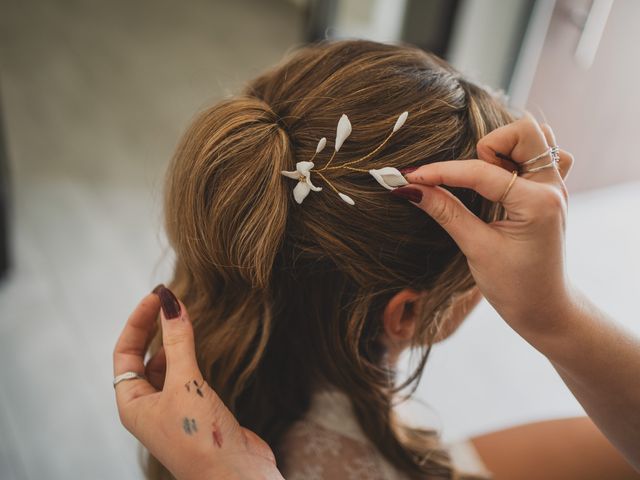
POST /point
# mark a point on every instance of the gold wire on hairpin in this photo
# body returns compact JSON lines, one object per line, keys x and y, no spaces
{"x":388,"y":177}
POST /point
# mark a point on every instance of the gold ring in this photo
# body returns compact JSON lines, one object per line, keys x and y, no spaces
{"x":506,"y":192}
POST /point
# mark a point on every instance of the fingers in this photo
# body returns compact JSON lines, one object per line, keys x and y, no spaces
{"x":128,"y":355}
{"x":521,"y":141}
{"x":548,"y":134}
{"x":566,"y":159}
{"x":465,"y":228}
{"x":156,"y":369}
{"x":488,"y":180}
{"x":177,"y":339}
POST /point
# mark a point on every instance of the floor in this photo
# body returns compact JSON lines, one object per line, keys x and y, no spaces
{"x":95,"y":96}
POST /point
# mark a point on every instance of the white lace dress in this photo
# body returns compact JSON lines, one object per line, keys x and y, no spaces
{"x":328,"y":444}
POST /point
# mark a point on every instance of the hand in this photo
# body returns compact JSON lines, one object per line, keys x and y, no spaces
{"x":178,"y":417}
{"x":518,"y":263}
{"x":519,"y":266}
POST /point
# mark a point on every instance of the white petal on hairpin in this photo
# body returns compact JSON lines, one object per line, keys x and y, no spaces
{"x":401,"y":119}
{"x":302,"y":173}
{"x":294,"y":174}
{"x":321,"y":144}
{"x":343,"y":131}
{"x":301,"y":191}
{"x":311,"y":185}
{"x":304,"y":167}
{"x":389,"y":177}
{"x":347,"y":198}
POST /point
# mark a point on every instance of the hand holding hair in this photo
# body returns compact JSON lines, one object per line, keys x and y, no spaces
{"x":519,"y":265}
{"x":517,"y":262}
{"x":176,"y":415}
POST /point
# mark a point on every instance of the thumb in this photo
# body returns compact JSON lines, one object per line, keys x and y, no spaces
{"x":467,"y":230}
{"x":177,"y":338}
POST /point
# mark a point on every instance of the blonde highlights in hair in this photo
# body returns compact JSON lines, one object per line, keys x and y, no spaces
{"x":287,"y":297}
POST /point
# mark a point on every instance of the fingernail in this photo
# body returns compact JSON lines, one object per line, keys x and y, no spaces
{"x":405,"y":171}
{"x":168,"y":302}
{"x":408,"y":193}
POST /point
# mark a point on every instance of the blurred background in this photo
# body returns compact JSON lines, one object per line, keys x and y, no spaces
{"x":93,"y":98}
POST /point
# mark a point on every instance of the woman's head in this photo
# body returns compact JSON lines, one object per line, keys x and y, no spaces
{"x":287,"y":297}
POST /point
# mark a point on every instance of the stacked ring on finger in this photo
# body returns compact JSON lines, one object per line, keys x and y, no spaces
{"x":509,"y":186}
{"x":127,"y":376}
{"x":552,"y":152}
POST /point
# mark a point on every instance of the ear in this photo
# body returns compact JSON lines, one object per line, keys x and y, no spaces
{"x":399,"y":317}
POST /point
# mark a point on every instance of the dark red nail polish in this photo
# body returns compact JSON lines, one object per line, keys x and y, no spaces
{"x":168,"y":302}
{"x":407,"y":170}
{"x":408,"y":193}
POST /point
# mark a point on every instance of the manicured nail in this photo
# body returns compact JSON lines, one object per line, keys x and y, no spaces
{"x":408,"y":193}
{"x":405,"y":171}
{"x":168,"y":302}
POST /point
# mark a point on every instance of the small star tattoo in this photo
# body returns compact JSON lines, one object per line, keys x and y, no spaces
{"x":198,"y":388}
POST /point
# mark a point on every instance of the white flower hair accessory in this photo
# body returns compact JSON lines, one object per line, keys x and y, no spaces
{"x":388,"y":177}
{"x":303,"y":175}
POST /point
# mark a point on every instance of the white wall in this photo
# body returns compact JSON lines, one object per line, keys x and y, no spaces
{"x":483,"y":39}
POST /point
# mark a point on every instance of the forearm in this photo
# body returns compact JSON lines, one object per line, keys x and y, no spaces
{"x":600,"y":363}
{"x":566,"y":449}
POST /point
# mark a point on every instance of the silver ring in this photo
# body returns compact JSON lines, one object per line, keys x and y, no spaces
{"x":542,"y":167}
{"x":127,"y":376}
{"x":553,"y":152}
{"x":537,"y":157}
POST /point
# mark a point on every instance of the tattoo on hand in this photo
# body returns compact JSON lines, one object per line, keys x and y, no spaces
{"x":189,"y":425}
{"x":217,"y":435}
{"x":198,"y":387}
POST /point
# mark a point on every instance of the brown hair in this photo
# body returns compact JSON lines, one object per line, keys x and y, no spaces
{"x":285,"y":297}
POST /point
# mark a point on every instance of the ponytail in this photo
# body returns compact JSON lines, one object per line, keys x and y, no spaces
{"x":226,"y":204}
{"x":226,"y":210}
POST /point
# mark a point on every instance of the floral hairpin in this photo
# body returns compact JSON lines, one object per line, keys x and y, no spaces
{"x":388,"y":177}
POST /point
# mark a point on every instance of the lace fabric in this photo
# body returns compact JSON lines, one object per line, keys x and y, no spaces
{"x":328,"y":444}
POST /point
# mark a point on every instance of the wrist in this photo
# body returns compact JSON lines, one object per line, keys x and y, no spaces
{"x":555,"y":330}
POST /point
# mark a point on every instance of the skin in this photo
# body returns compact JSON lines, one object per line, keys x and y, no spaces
{"x":193,"y":434}
{"x":518,"y":265}
{"x":564,"y":449}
